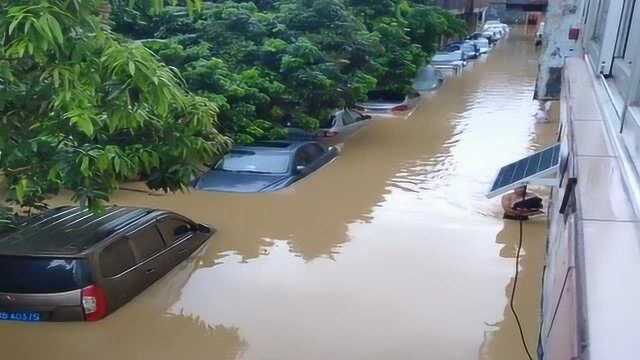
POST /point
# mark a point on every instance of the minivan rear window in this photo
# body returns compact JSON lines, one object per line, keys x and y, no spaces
{"x":31,"y":275}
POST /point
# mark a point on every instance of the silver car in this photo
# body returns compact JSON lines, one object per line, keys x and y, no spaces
{"x":428,"y":78}
{"x":483,"y":45}
{"x":342,"y":124}
{"x":384,"y":102}
{"x":448,"y":61}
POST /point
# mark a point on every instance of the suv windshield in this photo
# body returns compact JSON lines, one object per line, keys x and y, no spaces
{"x":26,"y":275}
{"x":268,"y":162}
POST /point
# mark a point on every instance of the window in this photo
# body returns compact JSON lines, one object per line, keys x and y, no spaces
{"x":146,"y":242}
{"x":348,"y":118}
{"x":45,"y":275}
{"x":585,"y":12}
{"x":601,"y":20}
{"x":625,"y":28}
{"x":302,"y":158}
{"x":173,"y":229}
{"x":270,"y":162}
{"x":359,"y":117}
{"x":315,"y":151}
{"x":117,"y":258}
{"x":309,"y":154}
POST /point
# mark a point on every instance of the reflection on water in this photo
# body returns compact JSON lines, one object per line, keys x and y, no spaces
{"x":389,"y":252}
{"x":504,"y":334}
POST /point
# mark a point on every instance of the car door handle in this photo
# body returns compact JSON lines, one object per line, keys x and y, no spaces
{"x":150,"y":271}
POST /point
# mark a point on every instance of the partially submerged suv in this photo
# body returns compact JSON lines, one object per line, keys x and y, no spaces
{"x":69,"y":264}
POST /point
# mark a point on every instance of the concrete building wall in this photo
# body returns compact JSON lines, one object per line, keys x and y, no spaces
{"x":590,"y":292}
{"x":515,"y":11}
{"x":561,"y":17}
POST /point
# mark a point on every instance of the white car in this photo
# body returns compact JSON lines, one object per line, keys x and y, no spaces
{"x":334,"y":129}
{"x":539,"y":34}
{"x":495,"y":23}
{"x":448,"y":61}
{"x":483,"y":45}
{"x":340,"y":125}
{"x":494,"y":34}
{"x":428,"y":78}
{"x":384,"y":102}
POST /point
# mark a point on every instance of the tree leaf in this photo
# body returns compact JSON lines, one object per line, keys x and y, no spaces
{"x":21,"y":189}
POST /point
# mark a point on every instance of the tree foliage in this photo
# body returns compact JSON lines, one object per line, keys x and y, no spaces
{"x":82,"y":108}
{"x":96,"y":92}
{"x":268,"y":63}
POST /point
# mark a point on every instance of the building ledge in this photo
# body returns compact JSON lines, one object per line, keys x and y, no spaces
{"x":607,"y":251}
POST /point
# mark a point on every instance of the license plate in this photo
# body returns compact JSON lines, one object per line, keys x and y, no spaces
{"x":27,"y":316}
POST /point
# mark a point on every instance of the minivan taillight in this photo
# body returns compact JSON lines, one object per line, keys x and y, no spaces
{"x":94,"y":303}
{"x":400,"y":108}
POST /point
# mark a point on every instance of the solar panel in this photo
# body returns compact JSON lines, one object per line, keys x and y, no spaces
{"x":525,"y":170}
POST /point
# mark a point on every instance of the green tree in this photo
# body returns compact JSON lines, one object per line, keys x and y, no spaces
{"x":82,"y":108}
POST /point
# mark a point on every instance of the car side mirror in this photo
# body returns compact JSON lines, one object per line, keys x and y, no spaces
{"x":366,"y":117}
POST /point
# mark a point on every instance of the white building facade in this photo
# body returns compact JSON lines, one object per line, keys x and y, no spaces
{"x":591,"y":292}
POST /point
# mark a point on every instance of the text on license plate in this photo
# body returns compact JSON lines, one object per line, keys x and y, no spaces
{"x":20,"y":316}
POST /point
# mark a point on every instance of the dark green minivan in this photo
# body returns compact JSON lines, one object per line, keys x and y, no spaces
{"x":70,"y":264}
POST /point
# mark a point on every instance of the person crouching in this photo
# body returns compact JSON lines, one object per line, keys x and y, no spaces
{"x":521,"y":204}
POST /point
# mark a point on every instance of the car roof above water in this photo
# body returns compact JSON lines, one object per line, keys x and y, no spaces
{"x":68,"y":231}
{"x":271,"y":146}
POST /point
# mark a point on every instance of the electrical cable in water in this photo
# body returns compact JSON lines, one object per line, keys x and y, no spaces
{"x":513,"y":294}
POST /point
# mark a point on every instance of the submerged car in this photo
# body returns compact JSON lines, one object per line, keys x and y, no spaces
{"x":468,"y":48}
{"x":334,"y":129}
{"x":70,"y":264}
{"x":448,"y":61}
{"x":491,"y":24}
{"x":488,"y":35}
{"x":498,"y":31}
{"x":342,"y":124}
{"x":539,"y":34}
{"x":388,"y":102}
{"x":483,"y":45}
{"x":265,"y":166}
{"x":428,"y":78}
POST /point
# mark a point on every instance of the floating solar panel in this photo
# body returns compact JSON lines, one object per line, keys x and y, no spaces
{"x":540,"y":165}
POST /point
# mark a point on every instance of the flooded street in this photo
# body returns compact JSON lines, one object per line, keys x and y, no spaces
{"x":390,"y":252}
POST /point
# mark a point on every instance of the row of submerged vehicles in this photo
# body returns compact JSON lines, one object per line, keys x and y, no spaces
{"x":71,"y":264}
{"x":274,"y":165}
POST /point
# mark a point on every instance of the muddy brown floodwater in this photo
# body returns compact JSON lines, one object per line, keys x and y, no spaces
{"x":390,"y":252}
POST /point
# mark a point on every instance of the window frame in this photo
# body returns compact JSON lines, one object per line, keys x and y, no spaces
{"x":321,"y":152}
{"x":176,"y":240}
{"x":346,"y":114}
{"x":127,"y":268}
{"x":625,"y":72}
{"x":130,"y":236}
{"x":601,"y":50}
